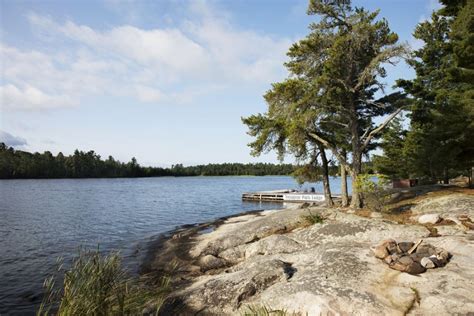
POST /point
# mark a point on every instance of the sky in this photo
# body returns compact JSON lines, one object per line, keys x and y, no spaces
{"x":164,"y":81}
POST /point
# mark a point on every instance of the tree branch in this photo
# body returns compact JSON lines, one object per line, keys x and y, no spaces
{"x":377,"y":130}
{"x":332,"y":148}
{"x":334,"y":122}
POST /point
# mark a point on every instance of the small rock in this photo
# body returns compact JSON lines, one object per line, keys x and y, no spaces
{"x":380,"y":251}
{"x":426,"y":250}
{"x":390,"y":245}
{"x":436,"y":261}
{"x":429,"y":219}
{"x":392,"y":258}
{"x":427,"y":263}
{"x":415,"y":268}
{"x":392,"y":248}
{"x":406,"y":260}
{"x":443,"y":257}
{"x":417,"y":257}
{"x":395,"y":256}
{"x":405,"y":246}
{"x":396,"y":265}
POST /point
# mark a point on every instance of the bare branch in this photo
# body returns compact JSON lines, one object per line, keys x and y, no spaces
{"x":377,"y":130}
{"x":367,"y":130}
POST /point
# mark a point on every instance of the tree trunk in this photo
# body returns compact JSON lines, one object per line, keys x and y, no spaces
{"x":356,"y":201}
{"x":344,"y":192}
{"x":446,"y":177}
{"x":327,"y":187}
{"x":470,"y":176}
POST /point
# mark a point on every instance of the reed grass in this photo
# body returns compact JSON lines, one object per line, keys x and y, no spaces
{"x":97,"y":284}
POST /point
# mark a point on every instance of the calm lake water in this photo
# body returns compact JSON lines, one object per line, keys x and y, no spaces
{"x":41,"y":220}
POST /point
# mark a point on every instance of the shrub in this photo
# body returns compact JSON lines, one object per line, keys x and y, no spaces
{"x":98,"y":285}
{"x":313,"y":218}
{"x":375,"y":194}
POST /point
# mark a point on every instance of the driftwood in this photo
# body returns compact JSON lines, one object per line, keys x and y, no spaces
{"x":415,"y":246}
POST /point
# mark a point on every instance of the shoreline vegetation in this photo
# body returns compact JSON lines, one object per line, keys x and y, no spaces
{"x":18,"y":164}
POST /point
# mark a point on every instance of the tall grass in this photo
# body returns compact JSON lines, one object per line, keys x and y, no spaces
{"x":262,"y":310}
{"x":98,"y":285}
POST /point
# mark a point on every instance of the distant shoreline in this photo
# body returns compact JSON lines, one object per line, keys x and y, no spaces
{"x":145,"y":177}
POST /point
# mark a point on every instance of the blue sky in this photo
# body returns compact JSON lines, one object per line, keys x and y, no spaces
{"x":164,"y":81}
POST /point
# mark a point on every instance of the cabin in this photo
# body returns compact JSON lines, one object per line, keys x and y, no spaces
{"x":404,"y":183}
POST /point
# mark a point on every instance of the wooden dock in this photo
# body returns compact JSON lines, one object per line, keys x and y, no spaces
{"x":283,"y":196}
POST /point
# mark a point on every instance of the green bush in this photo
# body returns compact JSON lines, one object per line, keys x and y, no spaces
{"x":375,"y":195}
{"x":98,"y":285}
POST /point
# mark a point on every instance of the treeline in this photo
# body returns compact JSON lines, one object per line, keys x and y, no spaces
{"x":234,"y":169}
{"x":17,"y":164}
{"x":438,"y":143}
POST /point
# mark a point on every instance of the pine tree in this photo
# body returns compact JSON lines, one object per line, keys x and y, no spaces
{"x":329,"y":98}
{"x":442,"y":118}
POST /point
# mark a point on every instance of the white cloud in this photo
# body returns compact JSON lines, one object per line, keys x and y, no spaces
{"x":152,"y":65}
{"x":31,"y":98}
{"x":11,"y":140}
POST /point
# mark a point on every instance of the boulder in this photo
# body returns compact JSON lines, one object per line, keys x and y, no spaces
{"x":429,"y":219}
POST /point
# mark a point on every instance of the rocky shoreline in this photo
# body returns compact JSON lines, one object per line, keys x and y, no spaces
{"x":286,"y":260}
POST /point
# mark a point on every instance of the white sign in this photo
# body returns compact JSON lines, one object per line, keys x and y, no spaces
{"x":303,"y":197}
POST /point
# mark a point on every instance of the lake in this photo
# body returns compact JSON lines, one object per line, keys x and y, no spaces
{"x":41,"y":220}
